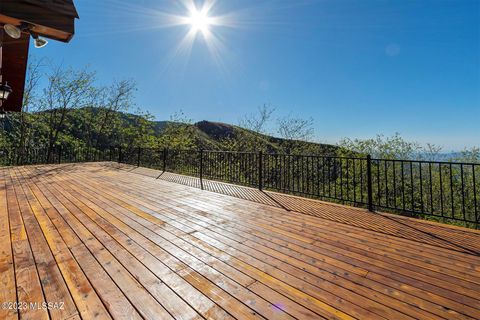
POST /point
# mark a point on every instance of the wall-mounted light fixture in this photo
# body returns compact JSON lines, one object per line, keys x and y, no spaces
{"x":13,"y":31}
{"x":38,"y":41}
{"x":16,"y":32}
{"x":5,"y":91}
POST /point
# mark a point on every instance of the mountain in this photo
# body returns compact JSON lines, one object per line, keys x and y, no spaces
{"x":214,"y":135}
{"x":203,"y":134}
{"x":218,"y":132}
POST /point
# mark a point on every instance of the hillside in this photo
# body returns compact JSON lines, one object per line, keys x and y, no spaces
{"x":217,"y":132}
{"x":217,"y":135}
{"x":81,"y":125}
{"x":214,"y":135}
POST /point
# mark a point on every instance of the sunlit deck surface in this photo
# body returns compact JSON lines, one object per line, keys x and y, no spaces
{"x":111,"y":241}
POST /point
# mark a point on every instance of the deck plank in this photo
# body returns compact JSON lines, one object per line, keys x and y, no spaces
{"x":113,"y":241}
{"x":7,"y":271}
{"x":112,"y":297}
{"x":86,"y":299}
{"x":53,"y":283}
{"x":28,"y":287}
{"x":137,"y":294}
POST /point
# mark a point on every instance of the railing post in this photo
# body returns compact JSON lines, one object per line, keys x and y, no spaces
{"x":110,"y":154}
{"x":119,"y":154}
{"x":369,"y":183}
{"x":138,"y":156}
{"x":164,"y":159}
{"x":201,"y":169}
{"x":260,"y":170}
{"x":59,"y":154}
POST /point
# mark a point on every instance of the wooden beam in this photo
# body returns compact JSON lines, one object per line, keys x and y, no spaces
{"x":52,"y":19}
{"x":39,"y":29}
{"x":13,"y":64}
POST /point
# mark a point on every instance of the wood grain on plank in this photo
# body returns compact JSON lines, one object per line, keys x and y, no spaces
{"x":7,"y":273}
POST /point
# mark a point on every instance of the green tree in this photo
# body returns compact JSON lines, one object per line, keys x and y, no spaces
{"x":297,"y":132}
{"x":179,"y":133}
{"x":67,"y":89}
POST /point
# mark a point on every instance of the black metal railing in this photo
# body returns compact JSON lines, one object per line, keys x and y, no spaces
{"x":445,"y":189}
{"x":448,"y":190}
{"x":55,"y":155}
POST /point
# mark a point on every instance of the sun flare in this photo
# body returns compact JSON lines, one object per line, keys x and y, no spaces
{"x":204,"y":25}
{"x":199,"y":20}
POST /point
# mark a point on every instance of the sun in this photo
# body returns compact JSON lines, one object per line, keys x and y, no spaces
{"x":199,"y":20}
{"x":203,"y":22}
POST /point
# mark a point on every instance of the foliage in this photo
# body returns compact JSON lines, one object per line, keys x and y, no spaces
{"x":470,"y":155}
{"x":71,"y":110}
{"x":258,"y":122}
{"x":178,"y":133}
{"x":394,"y":147}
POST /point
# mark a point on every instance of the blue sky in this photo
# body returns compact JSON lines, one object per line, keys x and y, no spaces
{"x":357,"y":67}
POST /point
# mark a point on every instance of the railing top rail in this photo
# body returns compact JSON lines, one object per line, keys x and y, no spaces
{"x":332,"y":157}
{"x":429,"y":161}
{"x":229,"y":151}
{"x":287,"y":154}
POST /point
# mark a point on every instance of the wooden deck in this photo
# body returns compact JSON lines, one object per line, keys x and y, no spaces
{"x":97,"y":241}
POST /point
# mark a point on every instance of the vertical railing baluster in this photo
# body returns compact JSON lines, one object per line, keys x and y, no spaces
{"x":422,"y":208}
{"x":318,"y":176}
{"x":432,"y":209}
{"x":475,"y":195}
{"x":442,"y":210}
{"x":369,"y":183}
{"x":335,"y":161}
{"x":139,"y":154}
{"x":463,"y":191}
{"x":387,"y":196}
{"x":403,"y":184}
{"x":346,"y":179}
{"x":394,"y":163}
{"x":362,"y":189}
{"x":329,"y":176}
{"x":201,"y":169}
{"x":340,"y":178}
{"x":164,"y":159}
{"x":412,"y":183}
{"x":451,"y":191}
{"x":260,"y":170}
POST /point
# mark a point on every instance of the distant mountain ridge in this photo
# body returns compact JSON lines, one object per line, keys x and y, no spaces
{"x":205,"y":134}
{"x":213,"y":135}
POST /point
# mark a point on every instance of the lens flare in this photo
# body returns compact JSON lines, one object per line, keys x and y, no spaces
{"x":199,"y":20}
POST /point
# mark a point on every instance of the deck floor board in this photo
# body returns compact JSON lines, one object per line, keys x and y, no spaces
{"x":110,"y":241}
